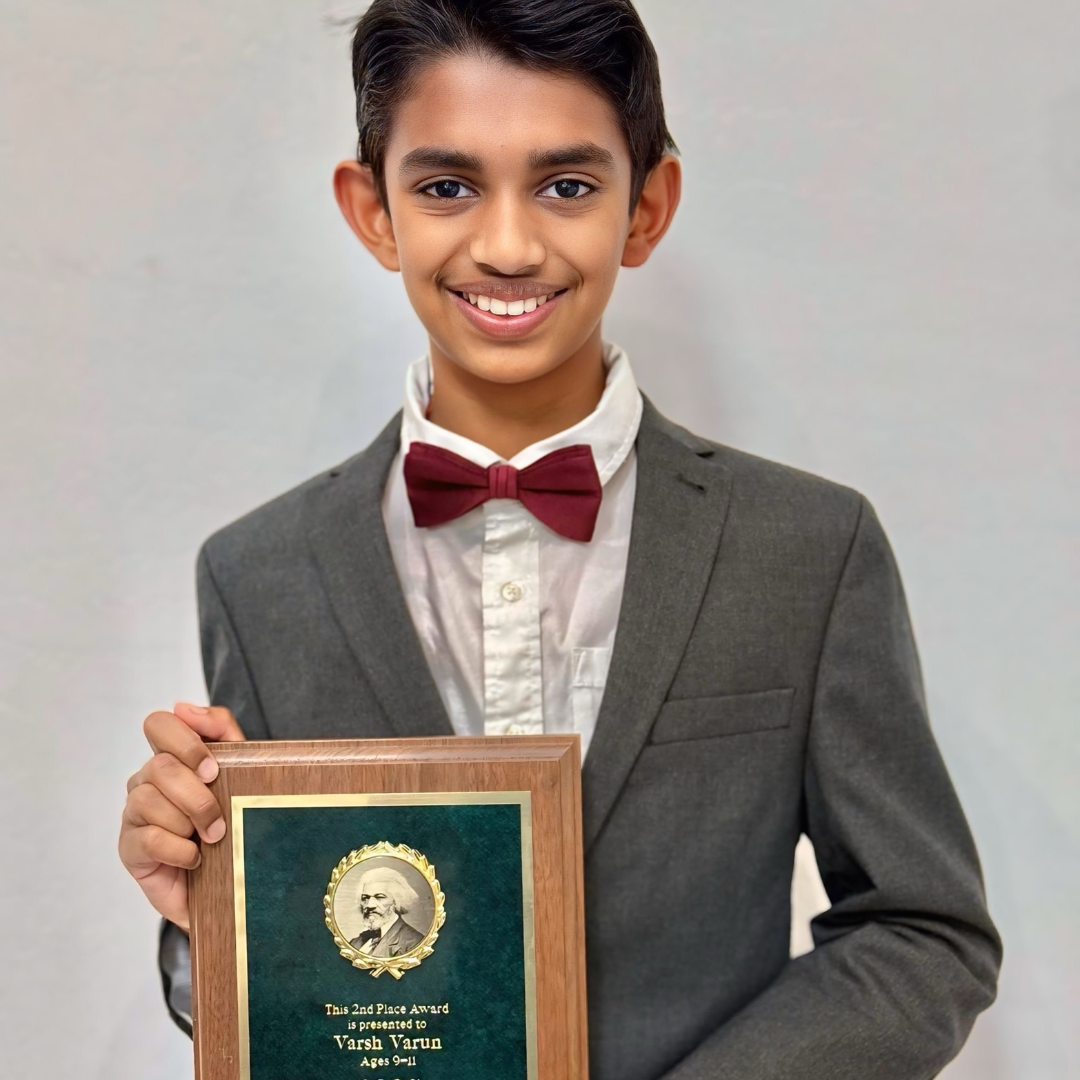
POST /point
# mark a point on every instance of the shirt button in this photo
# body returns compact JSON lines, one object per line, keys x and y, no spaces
{"x":512,"y":592}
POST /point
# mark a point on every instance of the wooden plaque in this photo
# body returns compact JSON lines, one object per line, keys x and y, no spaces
{"x":392,"y":909}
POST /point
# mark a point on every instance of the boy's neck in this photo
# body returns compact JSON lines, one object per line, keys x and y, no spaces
{"x":507,"y":417}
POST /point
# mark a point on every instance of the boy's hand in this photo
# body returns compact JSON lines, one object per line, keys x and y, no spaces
{"x":168,"y":802}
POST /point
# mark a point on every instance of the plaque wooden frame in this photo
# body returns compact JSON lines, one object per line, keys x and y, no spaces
{"x":546,"y":766}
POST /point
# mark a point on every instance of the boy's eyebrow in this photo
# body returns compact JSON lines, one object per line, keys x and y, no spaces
{"x":438,"y":157}
{"x":557,"y":157}
{"x":560,"y":157}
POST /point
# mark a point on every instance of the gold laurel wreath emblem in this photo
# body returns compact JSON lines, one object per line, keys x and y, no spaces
{"x":395,"y":965}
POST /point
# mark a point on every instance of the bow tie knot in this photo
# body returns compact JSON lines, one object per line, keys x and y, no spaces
{"x":562,"y":489}
{"x":502,"y":482}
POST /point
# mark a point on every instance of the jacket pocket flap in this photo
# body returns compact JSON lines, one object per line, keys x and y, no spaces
{"x":726,"y":714}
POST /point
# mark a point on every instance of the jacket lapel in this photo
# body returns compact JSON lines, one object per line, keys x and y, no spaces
{"x":348,"y":540}
{"x":679,"y":510}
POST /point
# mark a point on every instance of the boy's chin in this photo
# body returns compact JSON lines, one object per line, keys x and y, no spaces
{"x":505,"y":366}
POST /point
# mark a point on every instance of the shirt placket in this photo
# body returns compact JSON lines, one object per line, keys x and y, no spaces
{"x":510,"y":572}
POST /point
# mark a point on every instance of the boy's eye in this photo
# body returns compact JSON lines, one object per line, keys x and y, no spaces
{"x":567,"y":189}
{"x":447,"y":189}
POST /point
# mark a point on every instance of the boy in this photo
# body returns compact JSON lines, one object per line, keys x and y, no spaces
{"x":529,"y":546}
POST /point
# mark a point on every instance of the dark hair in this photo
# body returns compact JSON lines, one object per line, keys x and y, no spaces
{"x":600,"y":41}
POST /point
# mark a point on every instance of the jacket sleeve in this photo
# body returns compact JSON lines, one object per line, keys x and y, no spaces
{"x":907,"y":955}
{"x":174,"y":967}
{"x":228,"y":677}
{"x":229,"y":683}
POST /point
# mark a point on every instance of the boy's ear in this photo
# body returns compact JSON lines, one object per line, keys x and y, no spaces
{"x":358,"y":197}
{"x":654,"y":211}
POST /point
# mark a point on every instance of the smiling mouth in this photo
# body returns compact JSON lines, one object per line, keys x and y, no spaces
{"x":508,"y":308}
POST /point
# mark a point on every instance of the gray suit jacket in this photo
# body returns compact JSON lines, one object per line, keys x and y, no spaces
{"x":764,"y":683}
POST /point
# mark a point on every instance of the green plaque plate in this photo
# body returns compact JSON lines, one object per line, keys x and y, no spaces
{"x":384,"y":937}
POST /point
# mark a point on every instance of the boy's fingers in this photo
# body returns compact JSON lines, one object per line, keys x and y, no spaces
{"x":143,"y":849}
{"x":147,"y":806}
{"x":213,"y":722}
{"x":168,"y":733}
{"x":186,"y":792}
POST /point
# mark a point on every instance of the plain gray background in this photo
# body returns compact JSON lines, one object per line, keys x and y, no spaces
{"x":875,"y":275}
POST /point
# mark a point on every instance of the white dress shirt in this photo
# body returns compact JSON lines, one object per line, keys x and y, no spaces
{"x":517,"y":622}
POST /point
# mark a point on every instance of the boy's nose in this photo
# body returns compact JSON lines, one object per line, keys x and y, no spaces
{"x":506,"y":241}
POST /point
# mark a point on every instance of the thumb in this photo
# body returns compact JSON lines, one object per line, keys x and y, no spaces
{"x":213,"y":723}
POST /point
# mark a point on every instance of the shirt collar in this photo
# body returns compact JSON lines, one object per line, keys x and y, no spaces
{"x":610,"y":429}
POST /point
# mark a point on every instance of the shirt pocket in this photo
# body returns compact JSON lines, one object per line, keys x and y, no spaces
{"x":587,"y":681}
{"x":723,"y":714}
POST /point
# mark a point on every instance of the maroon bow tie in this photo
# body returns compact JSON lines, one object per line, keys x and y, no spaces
{"x":562,"y":489}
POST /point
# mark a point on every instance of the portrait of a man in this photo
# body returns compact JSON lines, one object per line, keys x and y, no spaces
{"x":384,"y":898}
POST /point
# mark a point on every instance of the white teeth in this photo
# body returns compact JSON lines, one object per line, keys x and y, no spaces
{"x":507,"y":307}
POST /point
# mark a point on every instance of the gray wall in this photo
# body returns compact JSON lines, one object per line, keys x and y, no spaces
{"x":875,"y":275}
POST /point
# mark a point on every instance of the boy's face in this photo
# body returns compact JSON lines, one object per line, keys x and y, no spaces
{"x":509,"y":190}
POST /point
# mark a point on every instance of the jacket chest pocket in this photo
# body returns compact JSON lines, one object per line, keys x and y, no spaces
{"x":724,"y":714}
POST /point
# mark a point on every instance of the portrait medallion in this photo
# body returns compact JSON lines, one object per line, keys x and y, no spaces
{"x":384,"y":908}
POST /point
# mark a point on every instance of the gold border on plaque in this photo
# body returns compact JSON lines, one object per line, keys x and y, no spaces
{"x":395,"y":965}
{"x":523,"y":799}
